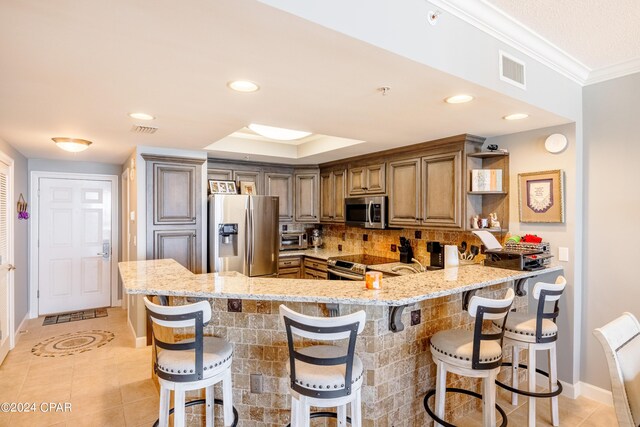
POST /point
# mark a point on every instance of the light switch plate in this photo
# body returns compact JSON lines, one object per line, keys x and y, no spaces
{"x":132,"y":215}
{"x":563,"y":254}
{"x":255,"y":384}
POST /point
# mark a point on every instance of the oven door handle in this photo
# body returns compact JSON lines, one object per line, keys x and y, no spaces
{"x":345,"y":275}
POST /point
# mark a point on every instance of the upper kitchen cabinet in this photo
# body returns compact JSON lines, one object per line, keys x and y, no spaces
{"x":174,"y":221}
{"x":307,"y":197}
{"x":281,"y":185}
{"x":404,"y":192}
{"x":442,"y":202}
{"x":254,"y":175}
{"x":333,"y":186}
{"x":369,"y":179}
{"x":220,"y":174}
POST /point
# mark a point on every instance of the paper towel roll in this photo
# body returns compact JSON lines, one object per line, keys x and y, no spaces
{"x":450,"y":256}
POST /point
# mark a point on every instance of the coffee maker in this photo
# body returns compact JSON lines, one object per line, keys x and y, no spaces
{"x":436,"y":252}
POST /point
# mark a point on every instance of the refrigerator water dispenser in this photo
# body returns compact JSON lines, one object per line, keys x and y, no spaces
{"x":228,"y":240}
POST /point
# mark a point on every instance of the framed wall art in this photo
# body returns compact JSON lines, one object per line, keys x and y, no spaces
{"x":541,"y":196}
{"x":248,"y":187}
{"x":222,"y":187}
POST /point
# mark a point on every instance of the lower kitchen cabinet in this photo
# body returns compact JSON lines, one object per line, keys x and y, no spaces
{"x":290,"y":267}
{"x":315,"y":268}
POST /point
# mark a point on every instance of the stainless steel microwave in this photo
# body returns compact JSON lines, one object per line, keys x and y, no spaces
{"x":366,"y":212}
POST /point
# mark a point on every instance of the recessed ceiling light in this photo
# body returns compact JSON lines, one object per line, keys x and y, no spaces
{"x":459,"y":99}
{"x":243,"y":86}
{"x":141,"y":116}
{"x":516,"y":116}
{"x":281,"y":134}
{"x":73,"y":145}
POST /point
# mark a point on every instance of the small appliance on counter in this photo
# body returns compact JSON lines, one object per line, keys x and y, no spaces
{"x":436,"y":253}
{"x":293,"y":240}
{"x":515,"y":255}
{"x":406,"y":251}
{"x":316,"y":238}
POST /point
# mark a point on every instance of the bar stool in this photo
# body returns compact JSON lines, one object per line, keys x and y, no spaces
{"x":324,"y":376}
{"x":472,"y":354}
{"x":190,"y":364}
{"x":535,"y":332}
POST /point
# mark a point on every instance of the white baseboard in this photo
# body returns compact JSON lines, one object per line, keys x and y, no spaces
{"x":595,"y":393}
{"x":140,"y":341}
{"x":568,"y":390}
{"x":22,"y":326}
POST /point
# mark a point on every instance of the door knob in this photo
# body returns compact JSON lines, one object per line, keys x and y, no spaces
{"x":103,"y":253}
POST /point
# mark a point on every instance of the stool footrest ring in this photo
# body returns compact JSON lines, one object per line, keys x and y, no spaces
{"x":323,"y":414}
{"x":203,"y":402}
{"x":462,"y":391}
{"x":540,"y":395}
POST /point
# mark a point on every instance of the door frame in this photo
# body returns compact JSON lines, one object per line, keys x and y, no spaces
{"x":11,"y":246}
{"x":34,"y":232}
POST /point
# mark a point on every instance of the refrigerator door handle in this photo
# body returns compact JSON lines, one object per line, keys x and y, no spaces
{"x":247,"y":215}
{"x":252,"y":236}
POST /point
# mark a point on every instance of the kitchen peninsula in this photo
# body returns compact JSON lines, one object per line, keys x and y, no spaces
{"x":398,"y":366}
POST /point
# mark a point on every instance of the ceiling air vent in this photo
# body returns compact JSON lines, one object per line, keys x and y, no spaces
{"x":512,"y":70}
{"x":143,"y":129}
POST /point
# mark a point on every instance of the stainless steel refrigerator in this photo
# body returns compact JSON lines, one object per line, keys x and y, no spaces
{"x":243,"y":234}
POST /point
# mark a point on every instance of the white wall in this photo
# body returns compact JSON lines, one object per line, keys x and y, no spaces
{"x":527,"y":154}
{"x":21,"y":255}
{"x":612,"y":201}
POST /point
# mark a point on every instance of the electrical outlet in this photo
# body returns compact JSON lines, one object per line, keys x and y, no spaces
{"x":416,"y":317}
{"x":234,"y":305}
{"x":418,"y":234}
{"x":563,"y":254}
{"x":393,"y":248}
{"x":255,"y":383}
{"x":365,"y":237}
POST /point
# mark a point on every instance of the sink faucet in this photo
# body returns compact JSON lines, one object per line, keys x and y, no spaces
{"x":422,"y":269}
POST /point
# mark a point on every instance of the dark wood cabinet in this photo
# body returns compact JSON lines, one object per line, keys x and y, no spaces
{"x":281,"y":185}
{"x":315,"y":268}
{"x":306,"y":196}
{"x":174,"y":223}
{"x":333,"y":186}
{"x":290,"y":267}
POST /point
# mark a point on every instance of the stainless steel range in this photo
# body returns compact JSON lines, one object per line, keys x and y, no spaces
{"x":353,"y":267}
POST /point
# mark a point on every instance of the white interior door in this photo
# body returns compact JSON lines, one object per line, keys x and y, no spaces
{"x":6,"y":243}
{"x":74,"y":262}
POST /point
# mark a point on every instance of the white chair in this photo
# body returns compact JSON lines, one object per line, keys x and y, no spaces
{"x":534,"y":332}
{"x":620,"y":339}
{"x":190,"y":364}
{"x":472,"y":354}
{"x":324,"y":376}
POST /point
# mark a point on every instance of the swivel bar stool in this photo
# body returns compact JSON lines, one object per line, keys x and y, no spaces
{"x":535,"y":332}
{"x":472,"y":354}
{"x":190,"y":364}
{"x":324,"y":376}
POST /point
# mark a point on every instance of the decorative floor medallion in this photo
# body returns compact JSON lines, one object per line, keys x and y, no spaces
{"x":72,"y":343}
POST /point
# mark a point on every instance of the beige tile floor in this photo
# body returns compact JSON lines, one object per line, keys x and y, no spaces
{"x":108,"y":386}
{"x":111,"y":386}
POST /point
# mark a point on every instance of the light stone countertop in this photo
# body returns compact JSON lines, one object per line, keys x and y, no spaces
{"x":167,"y":277}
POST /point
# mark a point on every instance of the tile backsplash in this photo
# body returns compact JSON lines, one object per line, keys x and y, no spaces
{"x":382,"y":242}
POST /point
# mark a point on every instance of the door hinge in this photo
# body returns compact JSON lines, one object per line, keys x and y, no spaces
{"x":38,"y":294}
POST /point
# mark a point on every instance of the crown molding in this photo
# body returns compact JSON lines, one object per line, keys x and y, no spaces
{"x":614,"y":71}
{"x":503,"y":27}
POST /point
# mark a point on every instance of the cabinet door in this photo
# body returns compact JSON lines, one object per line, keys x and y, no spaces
{"x":289,"y":273}
{"x":220,"y":174}
{"x":442,"y":190}
{"x":174,"y":194}
{"x":326,"y":197}
{"x":339,"y":192}
{"x":376,"y":179}
{"x":177,"y":244}
{"x":357,"y":181}
{"x":281,"y":185}
{"x":307,"y":197}
{"x":404,"y":192}
{"x":251,"y":176}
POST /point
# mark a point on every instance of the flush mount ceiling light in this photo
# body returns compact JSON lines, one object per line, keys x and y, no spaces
{"x":458,"y":99}
{"x":73,"y":145}
{"x":555,"y":143}
{"x":516,"y":116}
{"x":280,"y":134}
{"x":141,"y":116}
{"x":243,"y":86}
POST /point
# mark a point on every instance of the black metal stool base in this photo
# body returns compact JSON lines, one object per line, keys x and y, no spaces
{"x":203,"y":402}
{"x":530,"y":393}
{"x":462,"y":391}
{"x":323,"y":414}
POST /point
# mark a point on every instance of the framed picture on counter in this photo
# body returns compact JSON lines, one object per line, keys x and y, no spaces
{"x":248,"y":187}
{"x":222,"y":187}
{"x":541,"y":196}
